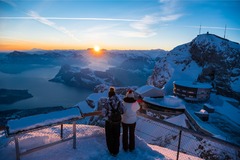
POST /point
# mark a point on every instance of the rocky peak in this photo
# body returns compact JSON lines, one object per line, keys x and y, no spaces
{"x":209,"y":48}
{"x":207,"y":58}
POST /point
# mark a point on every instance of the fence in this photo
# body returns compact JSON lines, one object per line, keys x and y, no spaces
{"x":42,"y":122}
{"x":183,"y":141}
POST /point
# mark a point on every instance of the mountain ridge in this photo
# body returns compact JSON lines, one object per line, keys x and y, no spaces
{"x":207,"y":58}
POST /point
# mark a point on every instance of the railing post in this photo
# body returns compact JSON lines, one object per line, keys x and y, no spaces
{"x":74,"y":134}
{"x":17,"y":148}
{"x":179,"y":143}
{"x":61,"y":131}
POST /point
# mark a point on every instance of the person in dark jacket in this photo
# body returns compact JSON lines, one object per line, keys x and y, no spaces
{"x":112,"y":129}
{"x":129,"y":118}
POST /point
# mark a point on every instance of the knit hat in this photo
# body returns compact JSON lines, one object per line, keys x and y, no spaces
{"x":130,"y":94}
{"x":111,"y":92}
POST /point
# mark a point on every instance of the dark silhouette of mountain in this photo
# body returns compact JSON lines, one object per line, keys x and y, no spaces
{"x":8,"y":96}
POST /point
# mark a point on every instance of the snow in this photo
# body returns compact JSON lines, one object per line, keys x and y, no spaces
{"x":143,"y":89}
{"x":235,"y":85}
{"x":203,"y":111}
{"x":167,"y":101}
{"x":224,"y":122}
{"x":213,"y":40}
{"x":74,"y":69}
{"x":208,"y":106}
{"x":95,"y":97}
{"x":149,"y":91}
{"x":169,"y":154}
{"x":157,"y":133}
{"x":90,"y":145}
{"x":27,"y":123}
{"x":179,"y":120}
{"x":91,"y":139}
{"x":225,"y":108}
{"x":180,"y":71}
{"x":84,"y":107}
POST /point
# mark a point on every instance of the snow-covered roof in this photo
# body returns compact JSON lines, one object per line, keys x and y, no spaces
{"x":192,"y":84}
{"x":149,"y":91}
{"x":31,"y":122}
{"x":208,"y":105}
{"x":179,"y":120}
{"x":168,"y":102}
{"x":202,"y":111}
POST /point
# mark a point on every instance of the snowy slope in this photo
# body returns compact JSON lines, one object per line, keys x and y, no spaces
{"x":207,"y":58}
{"x":177,"y":65}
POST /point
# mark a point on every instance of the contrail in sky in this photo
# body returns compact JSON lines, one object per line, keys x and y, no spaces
{"x":82,"y":19}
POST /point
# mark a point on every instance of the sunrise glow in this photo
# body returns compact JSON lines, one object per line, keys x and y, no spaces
{"x":96,"y":48}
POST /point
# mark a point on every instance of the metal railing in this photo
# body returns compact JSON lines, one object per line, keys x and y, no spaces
{"x":62,"y":137}
{"x":184,"y":141}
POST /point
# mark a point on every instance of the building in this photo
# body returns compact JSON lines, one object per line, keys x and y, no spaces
{"x":192,"y":91}
{"x":150,"y":91}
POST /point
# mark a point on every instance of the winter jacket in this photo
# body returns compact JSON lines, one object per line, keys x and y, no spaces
{"x":130,"y":107}
{"x":114,"y":100}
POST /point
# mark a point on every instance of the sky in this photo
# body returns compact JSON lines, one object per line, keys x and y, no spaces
{"x":113,"y":24}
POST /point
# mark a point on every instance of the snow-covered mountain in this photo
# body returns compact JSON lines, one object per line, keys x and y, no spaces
{"x":117,"y":68}
{"x":84,"y":78}
{"x":20,"y":61}
{"x":207,"y":58}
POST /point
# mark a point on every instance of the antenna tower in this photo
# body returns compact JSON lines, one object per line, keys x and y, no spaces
{"x":200,"y":29}
{"x":225,"y":30}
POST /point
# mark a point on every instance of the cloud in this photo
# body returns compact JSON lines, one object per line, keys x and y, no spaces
{"x":146,"y":26}
{"x":169,"y":6}
{"x":36,"y":16}
{"x":142,"y":28}
{"x":45,"y":21}
{"x":172,"y":17}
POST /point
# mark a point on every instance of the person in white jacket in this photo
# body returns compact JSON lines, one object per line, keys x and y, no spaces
{"x":129,"y":118}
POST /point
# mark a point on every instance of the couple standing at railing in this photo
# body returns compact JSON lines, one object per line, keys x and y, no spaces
{"x":117,"y":113}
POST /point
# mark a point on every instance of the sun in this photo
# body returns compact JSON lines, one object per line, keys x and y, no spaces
{"x":96,"y":48}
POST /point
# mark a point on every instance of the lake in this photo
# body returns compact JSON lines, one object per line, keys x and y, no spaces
{"x":45,"y":93}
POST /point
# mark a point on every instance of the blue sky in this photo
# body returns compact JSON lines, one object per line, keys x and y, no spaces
{"x":113,"y":24}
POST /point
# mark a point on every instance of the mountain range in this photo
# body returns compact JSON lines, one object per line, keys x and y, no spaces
{"x":207,"y":58}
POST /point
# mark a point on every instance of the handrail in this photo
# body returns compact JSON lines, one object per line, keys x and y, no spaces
{"x":95,"y":113}
{"x":191,"y":131}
